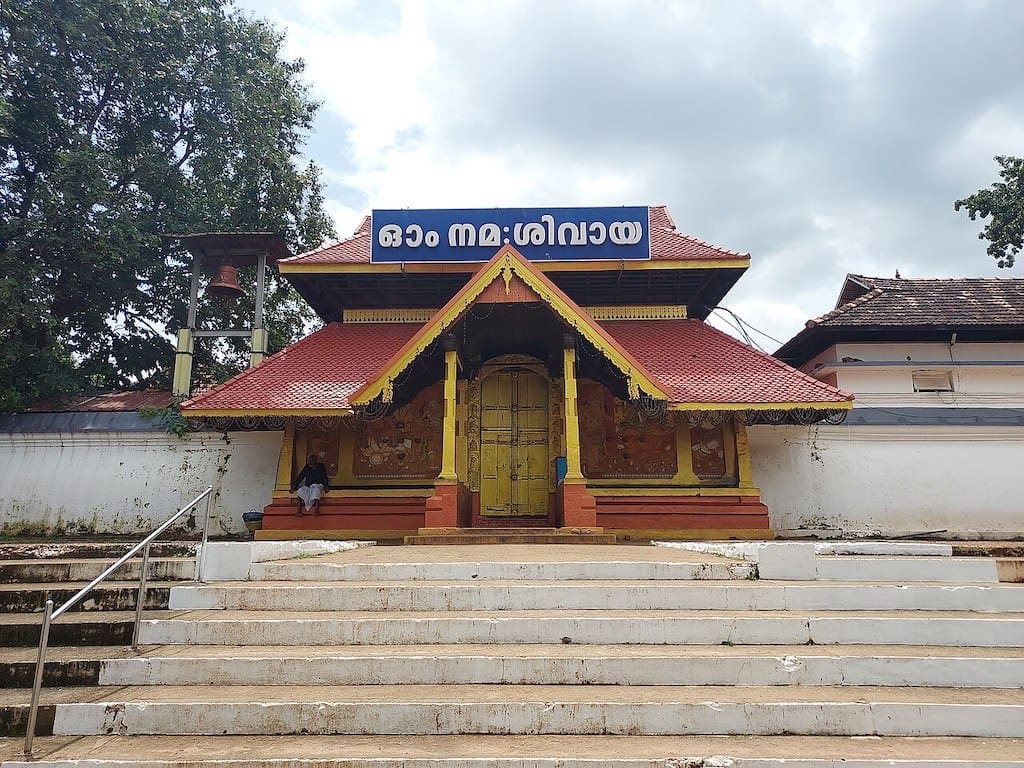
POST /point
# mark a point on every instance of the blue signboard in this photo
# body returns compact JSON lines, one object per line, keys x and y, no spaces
{"x":540,"y":234}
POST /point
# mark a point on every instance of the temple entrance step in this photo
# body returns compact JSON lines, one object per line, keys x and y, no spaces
{"x":435,"y":710}
{"x":488,"y":751}
{"x":525,"y":535}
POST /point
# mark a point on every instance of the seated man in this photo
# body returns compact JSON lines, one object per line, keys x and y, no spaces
{"x":310,"y":484}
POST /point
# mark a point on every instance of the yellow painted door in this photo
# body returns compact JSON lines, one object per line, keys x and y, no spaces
{"x":514,"y":445}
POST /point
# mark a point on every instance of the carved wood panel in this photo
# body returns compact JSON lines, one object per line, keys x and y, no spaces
{"x":404,"y":444}
{"x":616,"y":440}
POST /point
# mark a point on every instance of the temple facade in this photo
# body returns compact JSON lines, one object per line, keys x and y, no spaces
{"x":514,"y":369}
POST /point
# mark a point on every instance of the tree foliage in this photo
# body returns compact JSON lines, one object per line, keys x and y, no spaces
{"x":1003,"y":204}
{"x":121,"y":120}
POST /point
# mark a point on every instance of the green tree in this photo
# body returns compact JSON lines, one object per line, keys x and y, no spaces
{"x":120,"y":120}
{"x":1003,"y":203}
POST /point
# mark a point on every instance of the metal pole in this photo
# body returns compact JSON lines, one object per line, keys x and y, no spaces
{"x":141,"y":600}
{"x":193,"y":291}
{"x":206,"y":536}
{"x":37,"y":684}
{"x":261,"y":277}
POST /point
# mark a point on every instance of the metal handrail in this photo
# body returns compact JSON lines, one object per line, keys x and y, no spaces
{"x":50,"y":615}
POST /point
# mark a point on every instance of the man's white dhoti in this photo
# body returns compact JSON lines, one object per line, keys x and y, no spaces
{"x":310,"y":493}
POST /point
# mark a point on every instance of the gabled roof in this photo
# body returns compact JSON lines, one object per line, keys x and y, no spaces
{"x":705,"y":369}
{"x":315,"y":376}
{"x":666,"y":245}
{"x":903,"y":309}
{"x":505,"y":265}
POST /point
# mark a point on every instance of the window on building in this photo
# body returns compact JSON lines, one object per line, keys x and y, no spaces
{"x":932,"y":381}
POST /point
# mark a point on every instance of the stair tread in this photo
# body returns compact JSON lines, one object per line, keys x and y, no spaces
{"x":97,"y":561}
{"x":37,"y":586}
{"x":504,"y":651}
{"x":508,"y":694}
{"x":516,"y":553}
{"x":595,"y":747}
{"x":576,"y":583}
{"x":585,"y":614}
{"x":313,"y":747}
{"x":88,"y":617}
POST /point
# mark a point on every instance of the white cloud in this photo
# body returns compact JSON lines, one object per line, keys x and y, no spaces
{"x":823,"y":137}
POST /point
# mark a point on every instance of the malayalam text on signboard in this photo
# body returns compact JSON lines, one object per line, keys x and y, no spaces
{"x":540,"y":234}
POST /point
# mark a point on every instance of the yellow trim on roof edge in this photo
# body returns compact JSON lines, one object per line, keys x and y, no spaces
{"x":841,"y":405}
{"x":605,"y":265}
{"x":503,"y":265}
{"x":241,"y":413}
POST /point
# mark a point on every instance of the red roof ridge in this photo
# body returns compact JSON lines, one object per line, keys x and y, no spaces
{"x":320,"y":249}
{"x":669,"y":227}
{"x":874,"y":293}
{"x":194,"y":402}
{"x":706,"y":244}
{"x":775,"y":361}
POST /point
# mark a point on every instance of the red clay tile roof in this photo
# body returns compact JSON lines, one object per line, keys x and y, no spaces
{"x":109,"y":402}
{"x":949,"y":302}
{"x":319,"y":372}
{"x":700,"y":364}
{"x":880,"y":309}
{"x":666,"y":245}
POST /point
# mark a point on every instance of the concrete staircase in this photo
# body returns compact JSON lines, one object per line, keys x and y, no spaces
{"x":556,"y":657}
{"x":96,"y":629}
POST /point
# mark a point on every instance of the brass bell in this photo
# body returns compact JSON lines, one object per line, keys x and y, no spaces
{"x":225,"y":284}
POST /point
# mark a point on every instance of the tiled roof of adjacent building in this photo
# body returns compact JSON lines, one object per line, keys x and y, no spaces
{"x":109,"y":402}
{"x":666,"y":245}
{"x":904,"y":309}
{"x":318,"y":373}
{"x":902,"y":301}
{"x":700,"y":364}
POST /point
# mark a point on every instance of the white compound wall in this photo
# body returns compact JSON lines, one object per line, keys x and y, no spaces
{"x":127,"y":482}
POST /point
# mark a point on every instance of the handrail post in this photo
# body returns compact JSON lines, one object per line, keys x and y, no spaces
{"x":37,"y":683}
{"x":141,"y":600}
{"x":206,"y":536}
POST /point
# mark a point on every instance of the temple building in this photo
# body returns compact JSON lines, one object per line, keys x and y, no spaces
{"x":519,"y":368}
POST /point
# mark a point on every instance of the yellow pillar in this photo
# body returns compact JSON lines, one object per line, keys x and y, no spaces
{"x":743,"y":470}
{"x":284,"y":463}
{"x":182,"y":382}
{"x":451,"y":362}
{"x":259,"y":347}
{"x":574,"y":469}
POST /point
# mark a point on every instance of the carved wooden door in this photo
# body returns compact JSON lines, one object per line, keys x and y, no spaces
{"x":514,"y":445}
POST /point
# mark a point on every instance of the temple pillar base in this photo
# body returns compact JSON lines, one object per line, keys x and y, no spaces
{"x":442,"y":509}
{"x":579,"y":508}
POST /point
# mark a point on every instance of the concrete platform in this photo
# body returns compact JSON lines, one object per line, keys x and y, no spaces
{"x":515,"y":752}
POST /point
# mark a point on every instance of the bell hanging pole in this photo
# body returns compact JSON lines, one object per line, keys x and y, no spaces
{"x":220,"y":255}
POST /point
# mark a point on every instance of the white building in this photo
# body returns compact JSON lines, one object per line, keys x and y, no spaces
{"x":937,"y":431}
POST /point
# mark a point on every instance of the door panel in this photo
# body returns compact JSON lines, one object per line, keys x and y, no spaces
{"x":514,"y":462}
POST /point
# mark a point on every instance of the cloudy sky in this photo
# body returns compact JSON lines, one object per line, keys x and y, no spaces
{"x":820,"y":137}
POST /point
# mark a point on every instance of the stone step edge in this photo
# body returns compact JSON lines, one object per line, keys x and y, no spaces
{"x":862,"y":718}
{"x":724,"y":630}
{"x":710,"y":761}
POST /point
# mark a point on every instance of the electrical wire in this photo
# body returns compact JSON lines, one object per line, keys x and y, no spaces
{"x":738,"y":327}
{"x":744,"y":323}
